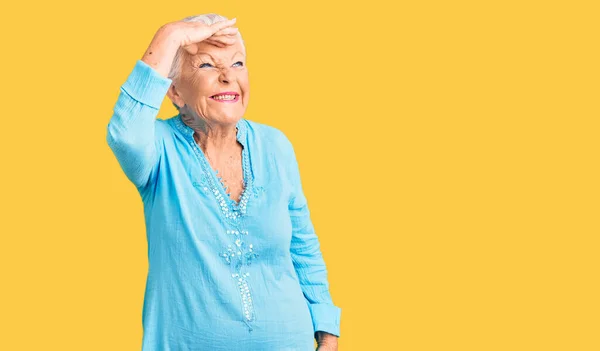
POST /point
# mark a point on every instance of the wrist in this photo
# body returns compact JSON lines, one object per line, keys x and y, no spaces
{"x":162,"y":49}
{"x":324,"y":338}
{"x":170,"y":32}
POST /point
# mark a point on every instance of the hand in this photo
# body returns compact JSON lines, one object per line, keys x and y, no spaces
{"x":190,"y":33}
{"x":174,"y":35}
{"x":224,"y":37}
{"x":326,"y":341}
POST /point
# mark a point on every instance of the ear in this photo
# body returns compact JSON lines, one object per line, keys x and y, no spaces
{"x":174,"y":96}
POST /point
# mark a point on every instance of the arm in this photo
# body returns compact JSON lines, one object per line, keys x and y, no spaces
{"x":131,"y":132}
{"x":308,"y":259}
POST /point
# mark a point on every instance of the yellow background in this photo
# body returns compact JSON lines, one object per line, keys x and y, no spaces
{"x":448,"y":149}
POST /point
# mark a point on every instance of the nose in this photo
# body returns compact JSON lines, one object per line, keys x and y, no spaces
{"x":226,"y":76}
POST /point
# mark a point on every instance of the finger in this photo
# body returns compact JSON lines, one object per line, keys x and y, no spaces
{"x":191,"y":49}
{"x":224,"y":39}
{"x":230,"y":38}
{"x":219,"y":43}
{"x":227,"y":31}
{"x":223,"y":24}
{"x":215,"y":43}
{"x":221,"y":38}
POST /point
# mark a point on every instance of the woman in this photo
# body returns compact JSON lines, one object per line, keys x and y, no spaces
{"x":234,"y":262}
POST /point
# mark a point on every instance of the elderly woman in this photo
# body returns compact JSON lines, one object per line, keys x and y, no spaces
{"x":234,"y":261}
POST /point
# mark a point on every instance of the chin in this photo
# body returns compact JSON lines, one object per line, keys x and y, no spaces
{"x":231,"y":118}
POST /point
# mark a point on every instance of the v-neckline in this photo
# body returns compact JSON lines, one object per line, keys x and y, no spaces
{"x":230,"y":207}
{"x":215,"y":174}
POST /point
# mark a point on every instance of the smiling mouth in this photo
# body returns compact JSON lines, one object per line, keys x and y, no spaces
{"x":226,"y":97}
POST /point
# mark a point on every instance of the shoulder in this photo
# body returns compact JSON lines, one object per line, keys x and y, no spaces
{"x":163,"y":128}
{"x":162,"y":124}
{"x":272,"y":136}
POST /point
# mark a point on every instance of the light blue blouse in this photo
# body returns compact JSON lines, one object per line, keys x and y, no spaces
{"x":222,"y":275}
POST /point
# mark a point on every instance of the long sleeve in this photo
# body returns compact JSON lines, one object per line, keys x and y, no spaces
{"x":307,"y":256}
{"x":131,"y":131}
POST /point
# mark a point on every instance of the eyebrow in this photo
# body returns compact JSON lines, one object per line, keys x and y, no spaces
{"x":206,"y":53}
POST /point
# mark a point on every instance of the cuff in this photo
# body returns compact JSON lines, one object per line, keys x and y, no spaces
{"x":326,"y":318}
{"x":146,"y":85}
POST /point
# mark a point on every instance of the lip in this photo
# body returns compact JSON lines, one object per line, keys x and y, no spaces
{"x":237,"y":97}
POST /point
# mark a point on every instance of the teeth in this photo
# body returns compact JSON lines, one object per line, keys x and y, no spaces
{"x":224,"y":97}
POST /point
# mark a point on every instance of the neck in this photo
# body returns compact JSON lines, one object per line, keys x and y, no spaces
{"x":213,"y":138}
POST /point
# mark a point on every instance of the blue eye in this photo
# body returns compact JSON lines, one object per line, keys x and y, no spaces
{"x":240,"y":62}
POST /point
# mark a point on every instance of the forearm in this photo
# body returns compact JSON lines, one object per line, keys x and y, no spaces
{"x":162,"y":49}
{"x":306,"y":253}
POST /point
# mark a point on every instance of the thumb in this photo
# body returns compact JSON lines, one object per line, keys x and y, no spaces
{"x":191,"y":49}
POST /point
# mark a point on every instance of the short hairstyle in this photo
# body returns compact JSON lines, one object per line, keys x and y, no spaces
{"x":208,"y":19}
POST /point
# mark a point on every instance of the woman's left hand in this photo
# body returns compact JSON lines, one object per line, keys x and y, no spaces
{"x":326,"y":341}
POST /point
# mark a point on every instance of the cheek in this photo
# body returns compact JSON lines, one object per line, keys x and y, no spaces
{"x":199,"y":89}
{"x":245,"y":88}
{"x":244,"y":83}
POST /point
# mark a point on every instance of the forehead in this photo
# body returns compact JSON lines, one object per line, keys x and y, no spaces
{"x":227,"y":53}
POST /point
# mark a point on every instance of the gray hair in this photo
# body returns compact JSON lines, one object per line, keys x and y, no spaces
{"x":208,"y":19}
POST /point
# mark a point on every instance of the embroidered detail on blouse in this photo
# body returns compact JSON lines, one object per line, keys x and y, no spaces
{"x":203,"y":183}
{"x":229,"y":208}
{"x":246,"y":296}
{"x":258,"y":191}
{"x":238,"y":255}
